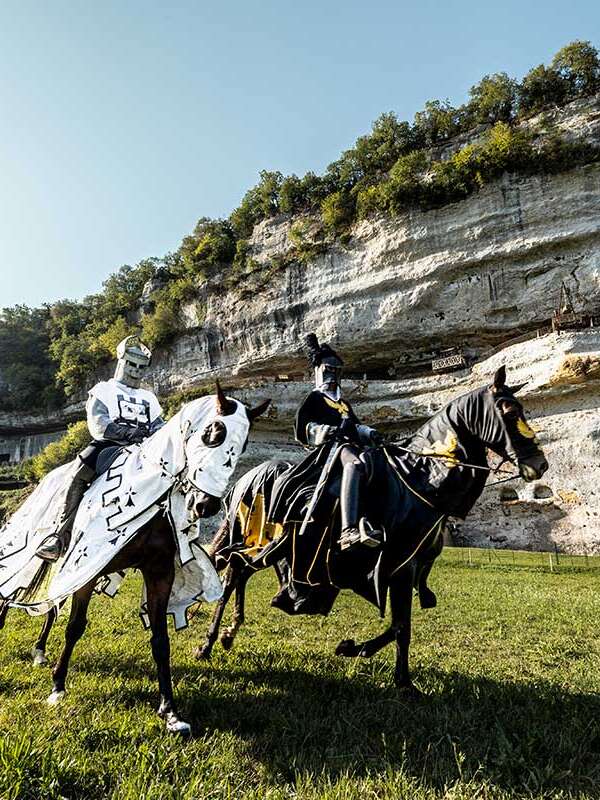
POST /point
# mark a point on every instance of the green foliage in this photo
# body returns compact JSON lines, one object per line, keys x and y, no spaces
{"x":26,"y":369}
{"x":57,"y":453}
{"x":165,"y":320}
{"x":438,"y":122}
{"x":307,"y":239}
{"x":541,"y":88}
{"x":337,"y":211}
{"x":493,"y":99}
{"x":578,"y":66}
{"x":11,"y":500}
{"x":210,"y":247}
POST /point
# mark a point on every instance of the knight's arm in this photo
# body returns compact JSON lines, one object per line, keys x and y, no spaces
{"x":306,"y":430}
{"x":366,"y":434}
{"x":157,"y":424}
{"x":103,"y":428}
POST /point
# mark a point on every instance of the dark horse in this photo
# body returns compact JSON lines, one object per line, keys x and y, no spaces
{"x":410,"y":495}
{"x":153,"y":548}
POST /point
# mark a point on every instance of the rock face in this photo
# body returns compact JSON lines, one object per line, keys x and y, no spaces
{"x":471,"y":275}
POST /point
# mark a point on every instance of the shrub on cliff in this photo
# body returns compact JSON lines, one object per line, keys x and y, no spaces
{"x":211,"y":245}
{"x":337,"y":211}
{"x":57,"y":453}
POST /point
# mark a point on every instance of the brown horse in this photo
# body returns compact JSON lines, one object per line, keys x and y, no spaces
{"x":152,"y":550}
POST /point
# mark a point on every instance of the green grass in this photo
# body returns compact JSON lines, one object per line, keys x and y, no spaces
{"x":509,"y":663}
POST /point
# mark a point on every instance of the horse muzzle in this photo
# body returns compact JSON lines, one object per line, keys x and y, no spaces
{"x":531,"y":469}
{"x":201,"y":505}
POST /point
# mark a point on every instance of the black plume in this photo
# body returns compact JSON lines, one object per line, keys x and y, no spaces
{"x":314,"y":350}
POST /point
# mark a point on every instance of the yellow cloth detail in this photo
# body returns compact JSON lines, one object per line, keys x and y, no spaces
{"x":338,"y":405}
{"x":256,"y":531}
{"x":525,"y":430}
{"x":446,"y":448}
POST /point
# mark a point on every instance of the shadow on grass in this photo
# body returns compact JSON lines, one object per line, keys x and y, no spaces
{"x":535,"y":738}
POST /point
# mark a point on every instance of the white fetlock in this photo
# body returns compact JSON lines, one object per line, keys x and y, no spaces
{"x":55,"y":698}
{"x":39,"y":657}
{"x":176,"y":725}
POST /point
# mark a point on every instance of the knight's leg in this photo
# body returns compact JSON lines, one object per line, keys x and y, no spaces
{"x":55,"y":545}
{"x":73,"y":633}
{"x":352,"y":476}
{"x":38,"y":650}
{"x":205,"y":651}
{"x":159,"y":581}
{"x":228,"y":635}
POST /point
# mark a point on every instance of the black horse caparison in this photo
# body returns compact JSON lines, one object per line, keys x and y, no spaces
{"x":410,"y":495}
{"x":152,"y":550}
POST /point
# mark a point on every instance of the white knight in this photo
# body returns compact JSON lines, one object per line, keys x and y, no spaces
{"x":119,"y":413}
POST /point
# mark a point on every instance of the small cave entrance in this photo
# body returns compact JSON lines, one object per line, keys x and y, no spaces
{"x":541,"y":492}
{"x":508,"y":494}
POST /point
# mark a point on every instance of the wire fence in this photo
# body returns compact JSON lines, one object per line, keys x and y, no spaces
{"x":519,"y":559}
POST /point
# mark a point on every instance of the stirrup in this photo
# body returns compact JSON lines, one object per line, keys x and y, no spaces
{"x":350,"y":538}
{"x":50,"y":549}
{"x":369,"y":536}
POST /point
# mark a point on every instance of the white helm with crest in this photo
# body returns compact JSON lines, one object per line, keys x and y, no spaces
{"x":134,"y":358}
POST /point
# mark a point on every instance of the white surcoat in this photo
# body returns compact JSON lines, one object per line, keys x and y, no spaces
{"x":111,"y":401}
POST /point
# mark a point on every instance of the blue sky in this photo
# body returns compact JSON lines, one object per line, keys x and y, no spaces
{"x":121,"y":123}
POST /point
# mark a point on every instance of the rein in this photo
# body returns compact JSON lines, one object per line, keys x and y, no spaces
{"x":495,"y":470}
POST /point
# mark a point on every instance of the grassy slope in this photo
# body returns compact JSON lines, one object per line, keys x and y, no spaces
{"x":509,"y":663}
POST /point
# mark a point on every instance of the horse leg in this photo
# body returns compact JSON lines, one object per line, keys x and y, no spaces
{"x":73,"y":633}
{"x":159,"y":581}
{"x":427,"y":598}
{"x":401,"y":605}
{"x":205,"y":651}
{"x":351,"y":649}
{"x":3,"y":613}
{"x":229,"y":634}
{"x":38,"y":651}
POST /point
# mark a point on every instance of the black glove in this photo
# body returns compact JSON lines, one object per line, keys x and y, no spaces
{"x":376,"y":438}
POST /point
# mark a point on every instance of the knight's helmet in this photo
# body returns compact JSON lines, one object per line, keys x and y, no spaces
{"x":133,"y":360}
{"x":328,"y":367}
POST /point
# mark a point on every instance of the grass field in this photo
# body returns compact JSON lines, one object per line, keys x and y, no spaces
{"x":509,"y":663}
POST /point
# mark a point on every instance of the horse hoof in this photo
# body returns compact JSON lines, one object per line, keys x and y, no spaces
{"x":347,"y":648}
{"x":226,"y":641}
{"x":427,"y":599}
{"x":39,"y":657}
{"x":56,"y":697}
{"x":409,"y":691}
{"x":202,"y":653}
{"x":176,"y":725}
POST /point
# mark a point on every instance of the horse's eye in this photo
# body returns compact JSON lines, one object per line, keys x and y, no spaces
{"x":509,"y":410}
{"x":214,"y":434}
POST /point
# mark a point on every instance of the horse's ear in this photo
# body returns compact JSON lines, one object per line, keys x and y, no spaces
{"x":500,"y":378}
{"x":224,"y":406}
{"x":517,"y":388}
{"x":254,"y":413}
